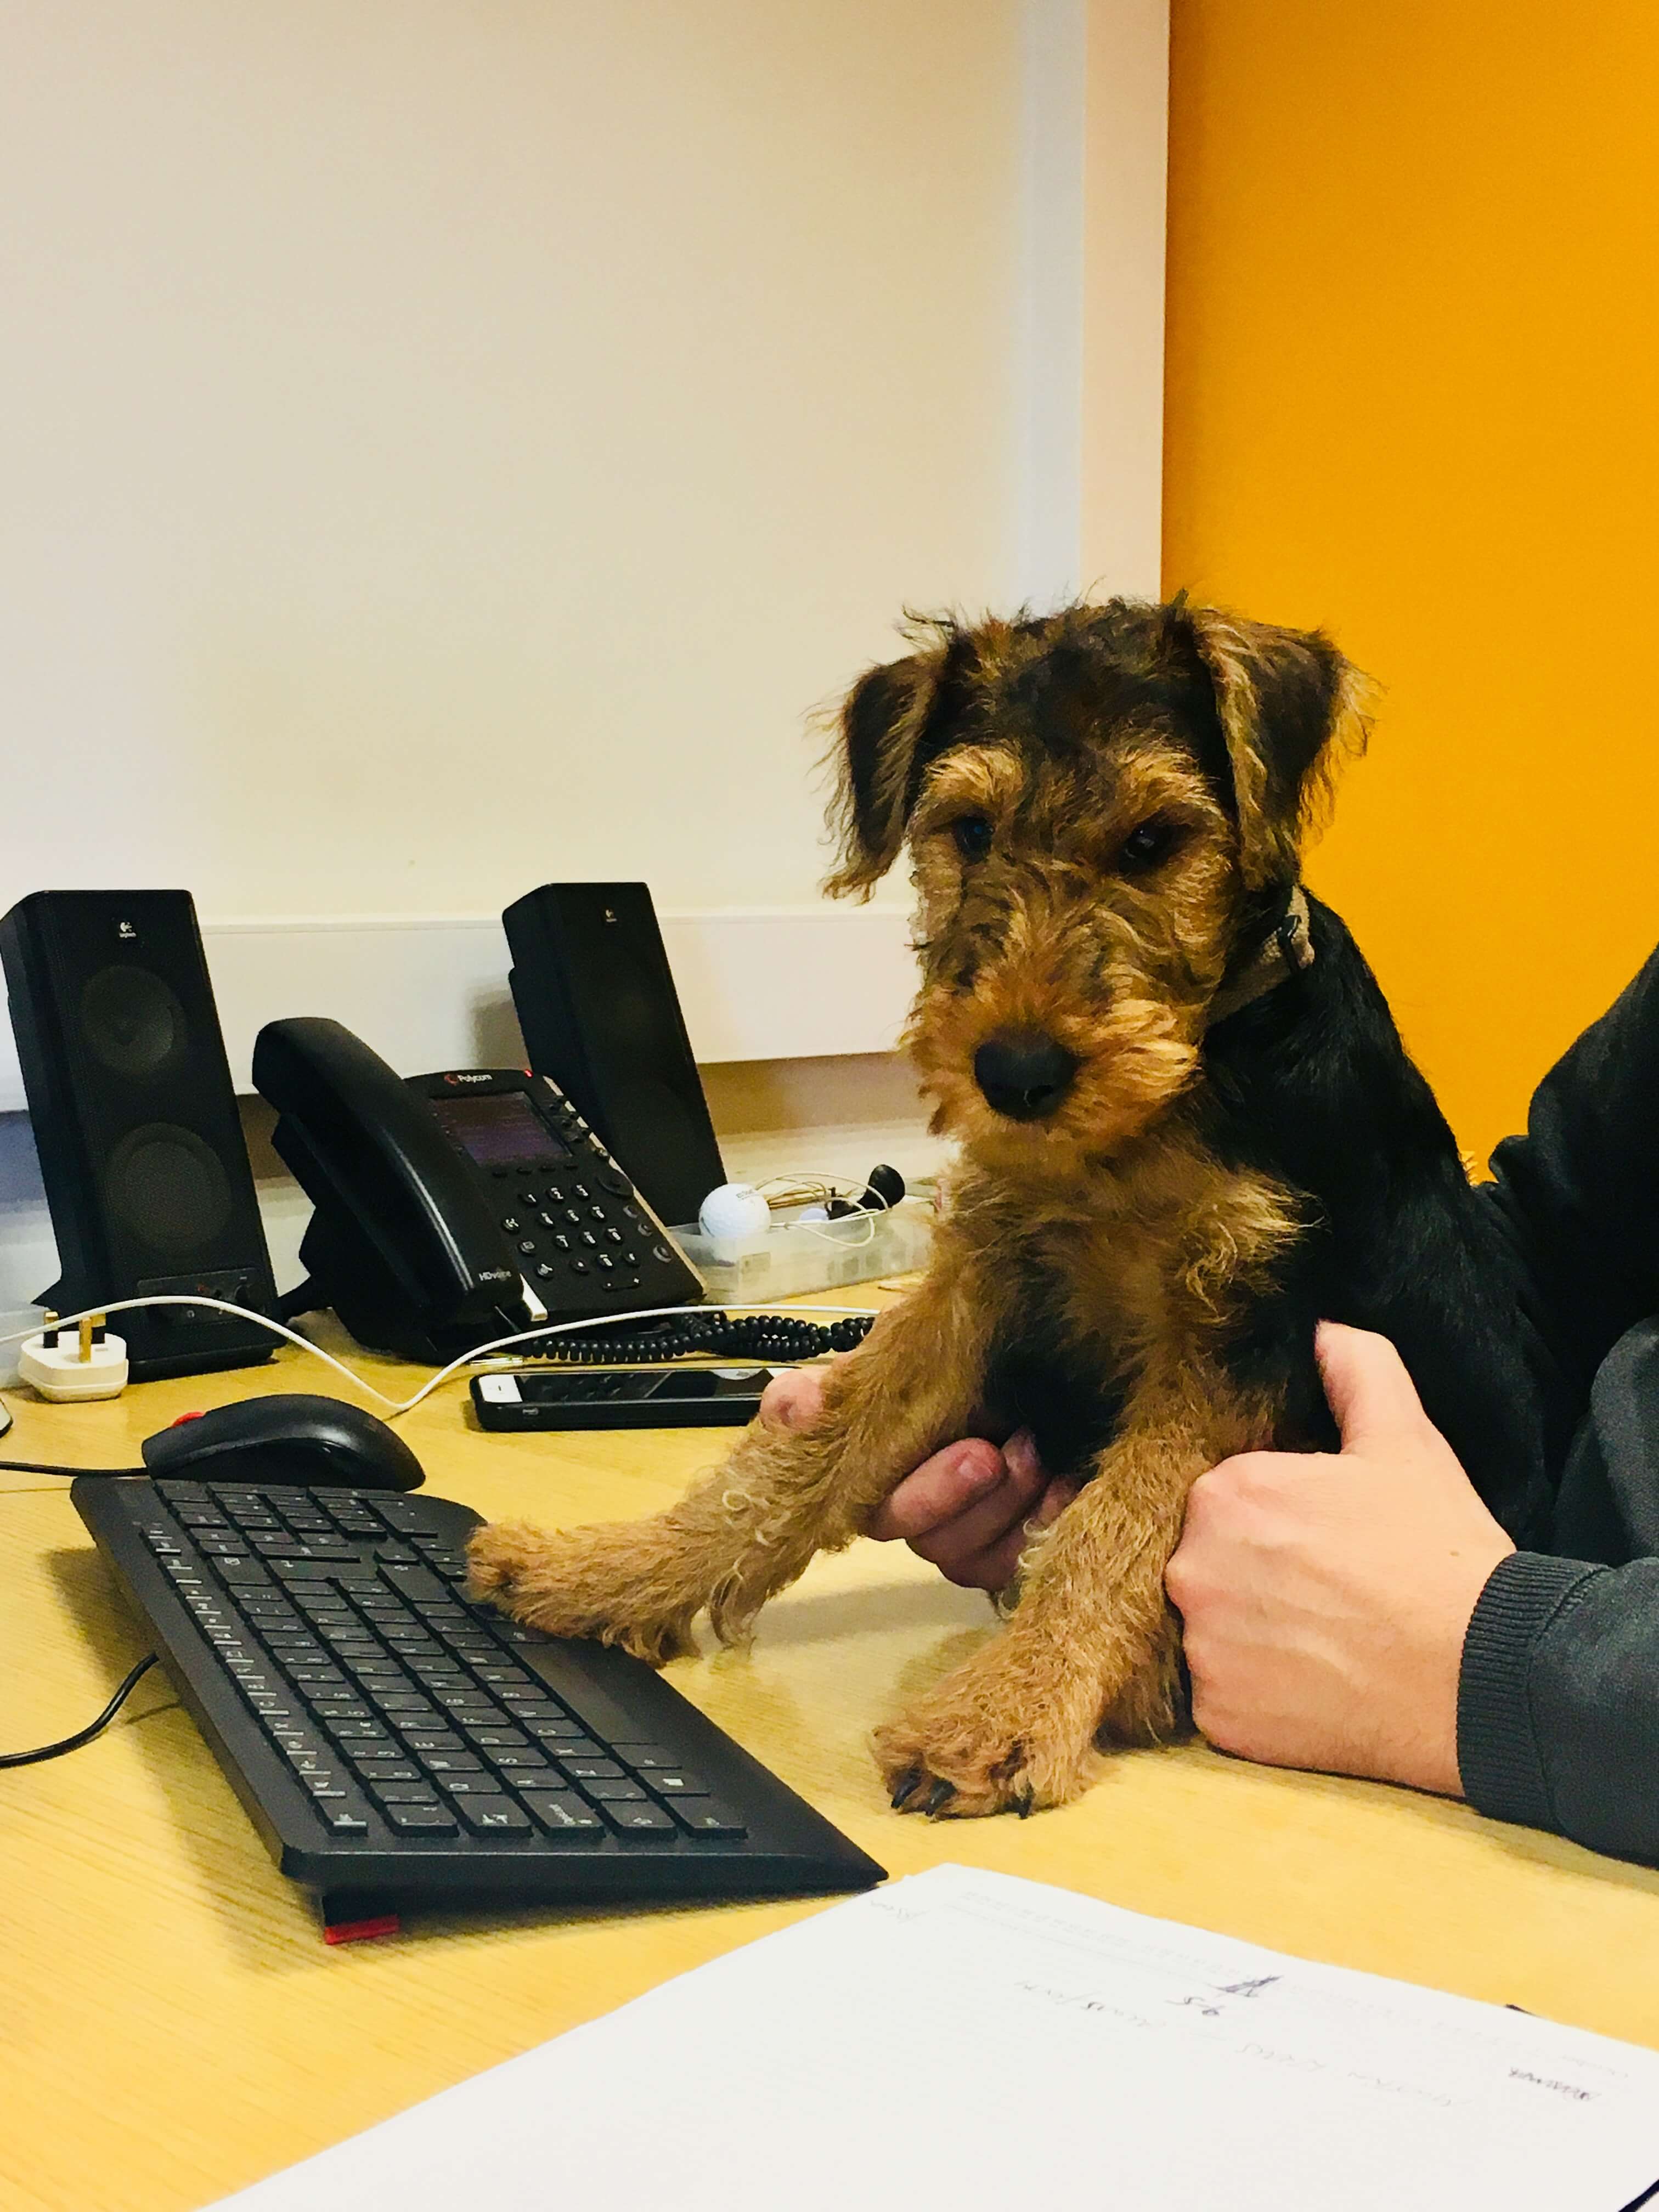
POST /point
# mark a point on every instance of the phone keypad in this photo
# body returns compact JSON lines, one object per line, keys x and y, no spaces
{"x":563,"y":1228}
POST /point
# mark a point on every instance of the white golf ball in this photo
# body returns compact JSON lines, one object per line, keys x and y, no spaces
{"x":734,"y":1209}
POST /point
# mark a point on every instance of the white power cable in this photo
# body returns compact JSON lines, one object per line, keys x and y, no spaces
{"x":472,"y":1358}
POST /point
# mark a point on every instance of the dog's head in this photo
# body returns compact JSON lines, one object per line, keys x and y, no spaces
{"x":1100,"y":806}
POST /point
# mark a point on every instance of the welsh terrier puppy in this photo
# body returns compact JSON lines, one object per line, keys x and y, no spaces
{"x":1188,"y":1129}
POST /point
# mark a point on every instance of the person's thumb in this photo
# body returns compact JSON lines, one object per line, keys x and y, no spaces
{"x":1370,"y":1395}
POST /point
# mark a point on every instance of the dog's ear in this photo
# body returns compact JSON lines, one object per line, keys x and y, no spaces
{"x":1291,"y":708}
{"x":876,"y":758}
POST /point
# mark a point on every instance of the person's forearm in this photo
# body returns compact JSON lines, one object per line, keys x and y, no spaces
{"x":1558,"y":1717}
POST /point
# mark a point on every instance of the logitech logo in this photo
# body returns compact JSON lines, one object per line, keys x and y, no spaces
{"x":126,"y":933}
{"x":469,"y":1076}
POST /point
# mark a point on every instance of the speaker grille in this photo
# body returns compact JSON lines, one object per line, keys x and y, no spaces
{"x":132,"y":1023}
{"x":168,"y":1187}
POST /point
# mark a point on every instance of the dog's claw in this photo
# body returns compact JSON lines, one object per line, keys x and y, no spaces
{"x":938,"y":1797}
{"x":908,"y":1783}
{"x":1025,"y":1804}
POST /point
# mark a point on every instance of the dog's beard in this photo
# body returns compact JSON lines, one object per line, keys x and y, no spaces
{"x":1135,"y":1058}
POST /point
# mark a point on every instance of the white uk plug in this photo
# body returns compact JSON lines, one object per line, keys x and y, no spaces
{"x":91,"y":1364}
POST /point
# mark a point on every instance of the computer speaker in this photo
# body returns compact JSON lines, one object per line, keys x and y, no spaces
{"x":600,"y":1015}
{"x":135,"y":1121}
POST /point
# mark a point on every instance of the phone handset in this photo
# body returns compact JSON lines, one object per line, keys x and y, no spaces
{"x":403,"y":1238}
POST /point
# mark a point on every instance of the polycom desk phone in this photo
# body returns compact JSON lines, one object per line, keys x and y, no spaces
{"x":456,"y":1207}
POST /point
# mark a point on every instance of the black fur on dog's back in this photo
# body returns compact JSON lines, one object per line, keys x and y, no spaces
{"x":1312,"y":1086}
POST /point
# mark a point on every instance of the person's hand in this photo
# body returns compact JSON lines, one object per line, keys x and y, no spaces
{"x":1325,"y":1599}
{"x":968,"y":1510}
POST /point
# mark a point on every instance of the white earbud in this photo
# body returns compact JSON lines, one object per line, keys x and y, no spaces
{"x":734,"y":1209}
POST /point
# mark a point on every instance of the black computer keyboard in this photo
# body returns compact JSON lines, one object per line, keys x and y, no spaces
{"x":398,"y":1746}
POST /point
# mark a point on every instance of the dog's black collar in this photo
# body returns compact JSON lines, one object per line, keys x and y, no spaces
{"x":1285,"y":950}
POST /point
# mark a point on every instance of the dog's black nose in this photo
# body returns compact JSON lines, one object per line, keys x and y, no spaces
{"x":1024,"y":1073}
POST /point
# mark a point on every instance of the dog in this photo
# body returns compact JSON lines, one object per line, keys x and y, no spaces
{"x":1187,"y":1129}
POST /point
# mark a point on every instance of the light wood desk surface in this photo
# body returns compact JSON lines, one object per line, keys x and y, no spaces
{"x":172,"y":2027}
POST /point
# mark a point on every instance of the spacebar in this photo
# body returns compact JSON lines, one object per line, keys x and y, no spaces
{"x":356,"y":1572}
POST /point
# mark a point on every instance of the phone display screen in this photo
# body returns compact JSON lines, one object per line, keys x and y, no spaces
{"x":504,"y":1131}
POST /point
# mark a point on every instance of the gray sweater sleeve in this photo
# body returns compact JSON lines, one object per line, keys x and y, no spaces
{"x":1557,"y":1701}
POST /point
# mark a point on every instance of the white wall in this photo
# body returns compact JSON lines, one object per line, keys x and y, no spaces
{"x":446,"y":449}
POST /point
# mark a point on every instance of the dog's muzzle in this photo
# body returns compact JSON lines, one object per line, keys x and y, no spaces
{"x":1024,"y":1073}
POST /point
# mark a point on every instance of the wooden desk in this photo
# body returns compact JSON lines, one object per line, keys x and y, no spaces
{"x":174,"y":2027}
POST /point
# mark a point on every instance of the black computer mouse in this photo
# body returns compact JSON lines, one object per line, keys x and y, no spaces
{"x":291,"y":1438}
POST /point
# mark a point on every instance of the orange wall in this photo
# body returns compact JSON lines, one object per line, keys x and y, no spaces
{"x":1413,"y":332}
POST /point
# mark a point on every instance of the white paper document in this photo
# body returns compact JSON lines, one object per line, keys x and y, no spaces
{"x":962,"y":2038}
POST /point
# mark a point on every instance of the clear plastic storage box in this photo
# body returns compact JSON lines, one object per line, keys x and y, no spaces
{"x":791,"y":1256}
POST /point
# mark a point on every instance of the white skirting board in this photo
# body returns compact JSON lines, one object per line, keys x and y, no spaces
{"x":429,"y":992}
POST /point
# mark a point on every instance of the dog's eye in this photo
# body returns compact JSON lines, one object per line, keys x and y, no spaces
{"x":1152,"y":843}
{"x":973,"y":834}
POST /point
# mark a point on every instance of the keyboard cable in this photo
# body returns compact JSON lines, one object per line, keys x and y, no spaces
{"x":95,"y":1727}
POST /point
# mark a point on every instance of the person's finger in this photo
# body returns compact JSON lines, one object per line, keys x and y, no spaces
{"x":1370,"y":1395}
{"x":1025,"y":1499}
{"x":981,"y":1526}
{"x":1054,"y":1501}
{"x":993,"y":1567}
{"x":793,"y":1399}
{"x":940,"y":1489}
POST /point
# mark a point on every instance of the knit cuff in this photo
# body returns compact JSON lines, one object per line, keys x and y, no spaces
{"x":1497,"y":1752}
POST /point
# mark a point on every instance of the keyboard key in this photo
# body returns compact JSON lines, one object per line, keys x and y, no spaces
{"x":420,"y":1819}
{"x":590,"y":1769}
{"x":471,"y":1785}
{"x":677,"y":1782}
{"x":421,"y":1741}
{"x":521,"y":1762}
{"x":487,"y":1817}
{"x":562,"y":1812}
{"x":387,"y":1792}
{"x":640,"y":1756}
{"x":613,"y":1793}
{"x":703,"y":1816}
{"x":499,"y":1739}
{"x":640,"y":1820}
{"x":344,"y":1820}
{"x":450,"y":1762}
{"x":244,"y":1574}
{"x":408,"y":1515}
{"x":374,"y":1769}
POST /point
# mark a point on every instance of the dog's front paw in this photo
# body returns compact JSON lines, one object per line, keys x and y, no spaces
{"x":498,"y":1554}
{"x":613,"y":1583}
{"x":983,"y":1741}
